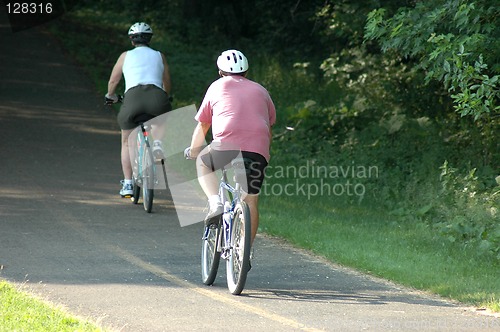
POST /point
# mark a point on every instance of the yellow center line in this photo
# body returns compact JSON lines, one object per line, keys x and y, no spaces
{"x":226,"y":299}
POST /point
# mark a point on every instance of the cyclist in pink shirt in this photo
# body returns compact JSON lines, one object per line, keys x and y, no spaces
{"x":241,"y":114}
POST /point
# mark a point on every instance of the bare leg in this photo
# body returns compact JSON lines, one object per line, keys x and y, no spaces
{"x":207,"y":179}
{"x":253,"y":203}
{"x":125,"y":155}
{"x":158,"y":131}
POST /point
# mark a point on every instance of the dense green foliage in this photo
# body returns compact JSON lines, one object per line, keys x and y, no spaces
{"x":365,"y":85}
{"x":455,"y":42}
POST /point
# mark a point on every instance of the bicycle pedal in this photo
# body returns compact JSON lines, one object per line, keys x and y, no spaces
{"x":127,"y":196}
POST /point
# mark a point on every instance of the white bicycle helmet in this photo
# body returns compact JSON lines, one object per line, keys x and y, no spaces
{"x":140,"y":32}
{"x":233,"y":62}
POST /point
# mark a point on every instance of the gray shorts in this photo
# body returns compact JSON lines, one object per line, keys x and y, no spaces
{"x":255,"y":166}
{"x":141,"y":100}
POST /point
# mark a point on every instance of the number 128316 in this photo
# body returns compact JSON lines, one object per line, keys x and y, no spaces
{"x":29,"y":8}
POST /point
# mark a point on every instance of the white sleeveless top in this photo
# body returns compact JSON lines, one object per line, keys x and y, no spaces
{"x":143,"y":66}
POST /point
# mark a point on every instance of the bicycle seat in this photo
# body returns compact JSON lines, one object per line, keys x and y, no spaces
{"x":240,"y":171}
{"x":238,"y":163}
{"x":144,"y":117}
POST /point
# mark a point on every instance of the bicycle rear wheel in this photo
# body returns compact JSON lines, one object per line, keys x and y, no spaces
{"x":238,"y":263}
{"x":148,"y":179}
{"x":137,"y":167}
{"x":210,"y":257}
{"x":136,"y":194}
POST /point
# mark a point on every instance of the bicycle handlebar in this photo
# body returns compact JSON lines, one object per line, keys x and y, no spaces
{"x":110,"y":101}
{"x":187,"y":154}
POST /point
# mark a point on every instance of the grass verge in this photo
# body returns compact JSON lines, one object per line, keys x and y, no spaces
{"x":373,"y":242}
{"x":22,"y":312}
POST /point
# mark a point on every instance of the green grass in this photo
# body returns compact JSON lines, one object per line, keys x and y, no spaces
{"x":22,"y":312}
{"x":373,"y":242}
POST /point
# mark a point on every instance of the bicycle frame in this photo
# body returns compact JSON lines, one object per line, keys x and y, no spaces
{"x":230,"y":238}
{"x":231,"y":194}
{"x":142,"y":144}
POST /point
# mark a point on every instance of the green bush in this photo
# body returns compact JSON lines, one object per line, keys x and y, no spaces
{"x":467,"y":211}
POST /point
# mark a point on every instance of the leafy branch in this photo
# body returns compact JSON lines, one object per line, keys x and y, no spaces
{"x":454,"y":42}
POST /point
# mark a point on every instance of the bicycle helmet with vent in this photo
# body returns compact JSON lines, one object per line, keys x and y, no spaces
{"x":232,"y":62}
{"x":140,"y":33}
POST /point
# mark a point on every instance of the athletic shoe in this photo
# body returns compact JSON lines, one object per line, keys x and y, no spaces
{"x":158,"y":150}
{"x":127,"y":189}
{"x":213,"y":215}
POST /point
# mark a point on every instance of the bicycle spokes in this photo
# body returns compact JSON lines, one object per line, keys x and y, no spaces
{"x":238,"y":261}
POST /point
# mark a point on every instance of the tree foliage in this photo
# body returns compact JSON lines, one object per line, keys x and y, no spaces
{"x":453,"y":41}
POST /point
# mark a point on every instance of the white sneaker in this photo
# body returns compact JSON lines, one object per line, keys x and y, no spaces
{"x":158,"y":150}
{"x":213,"y":215}
{"x":127,"y":189}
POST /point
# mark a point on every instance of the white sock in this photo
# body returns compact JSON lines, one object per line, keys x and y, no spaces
{"x":128,"y":181}
{"x":214,"y":200}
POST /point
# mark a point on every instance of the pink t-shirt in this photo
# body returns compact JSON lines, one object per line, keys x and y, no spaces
{"x":241,"y":113}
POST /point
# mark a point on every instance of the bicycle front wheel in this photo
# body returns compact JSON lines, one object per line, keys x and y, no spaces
{"x":148,"y":180}
{"x":210,"y":257}
{"x":238,"y":263}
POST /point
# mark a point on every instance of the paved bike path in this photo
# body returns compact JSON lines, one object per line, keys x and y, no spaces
{"x":66,"y":235}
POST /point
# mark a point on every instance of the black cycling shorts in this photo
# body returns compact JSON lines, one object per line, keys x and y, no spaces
{"x":140,"y":100}
{"x":255,"y":165}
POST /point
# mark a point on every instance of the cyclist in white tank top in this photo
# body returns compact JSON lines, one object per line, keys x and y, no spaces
{"x":147,"y":90}
{"x":143,"y":66}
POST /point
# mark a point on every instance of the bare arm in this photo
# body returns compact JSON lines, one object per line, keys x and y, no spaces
{"x":167,"y":84}
{"x":116,"y":75}
{"x":199,"y":137}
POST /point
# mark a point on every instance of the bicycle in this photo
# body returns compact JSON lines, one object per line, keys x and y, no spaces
{"x":144,"y":163}
{"x":230,"y":238}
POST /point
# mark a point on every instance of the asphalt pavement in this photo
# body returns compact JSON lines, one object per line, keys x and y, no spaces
{"x":67,"y":236}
